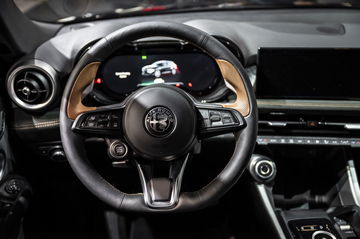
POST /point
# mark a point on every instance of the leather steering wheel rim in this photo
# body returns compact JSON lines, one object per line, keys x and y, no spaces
{"x":245,"y":139}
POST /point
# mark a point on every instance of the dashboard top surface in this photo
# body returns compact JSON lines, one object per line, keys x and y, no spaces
{"x":247,"y":29}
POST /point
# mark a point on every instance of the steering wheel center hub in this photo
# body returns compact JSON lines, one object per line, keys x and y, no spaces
{"x":159,"y":122}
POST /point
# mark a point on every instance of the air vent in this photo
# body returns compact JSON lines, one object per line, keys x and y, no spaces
{"x":32,"y":86}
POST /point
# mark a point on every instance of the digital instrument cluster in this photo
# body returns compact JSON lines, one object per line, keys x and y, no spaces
{"x":194,"y":72}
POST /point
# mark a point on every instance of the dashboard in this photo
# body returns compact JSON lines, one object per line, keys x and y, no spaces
{"x":302,"y":63}
{"x":304,"y":70}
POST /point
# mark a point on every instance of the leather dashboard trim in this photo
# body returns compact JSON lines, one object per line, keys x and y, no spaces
{"x":86,"y":76}
{"x":233,"y":77}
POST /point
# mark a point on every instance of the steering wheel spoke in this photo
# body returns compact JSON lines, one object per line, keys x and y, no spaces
{"x":161,"y":182}
{"x":104,"y":121}
{"x":217,"y":120}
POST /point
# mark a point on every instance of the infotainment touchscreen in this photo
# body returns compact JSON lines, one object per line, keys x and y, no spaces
{"x":305,"y":73}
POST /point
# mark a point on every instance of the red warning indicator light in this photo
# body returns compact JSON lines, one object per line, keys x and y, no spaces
{"x":190,"y":84}
{"x":98,"y":81}
{"x":177,"y":85}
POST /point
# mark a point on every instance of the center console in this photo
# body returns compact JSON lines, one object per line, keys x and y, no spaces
{"x":340,"y":222}
{"x":334,"y":214}
{"x":309,"y":130}
{"x":318,"y":227}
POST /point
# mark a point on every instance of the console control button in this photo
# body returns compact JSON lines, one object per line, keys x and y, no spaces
{"x":265,"y":169}
{"x":307,"y":140}
{"x":262,"y":168}
{"x":345,"y":228}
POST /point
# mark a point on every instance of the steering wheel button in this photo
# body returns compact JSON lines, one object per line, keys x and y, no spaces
{"x":114,"y":124}
{"x":217,"y":123}
{"x":204,"y":113}
{"x":115,"y":116}
{"x":205,"y":123}
{"x":103,"y":116}
{"x":215,"y":118}
{"x":214,"y":112}
{"x":226,"y":114}
{"x":92,"y":118}
{"x":227,"y":120}
{"x":103,"y":123}
{"x":90,"y":124}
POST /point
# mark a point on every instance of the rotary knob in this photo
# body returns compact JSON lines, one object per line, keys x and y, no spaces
{"x":323,"y":235}
{"x":262,"y":168}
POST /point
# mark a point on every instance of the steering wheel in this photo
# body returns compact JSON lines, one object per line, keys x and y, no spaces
{"x":161,"y":124}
